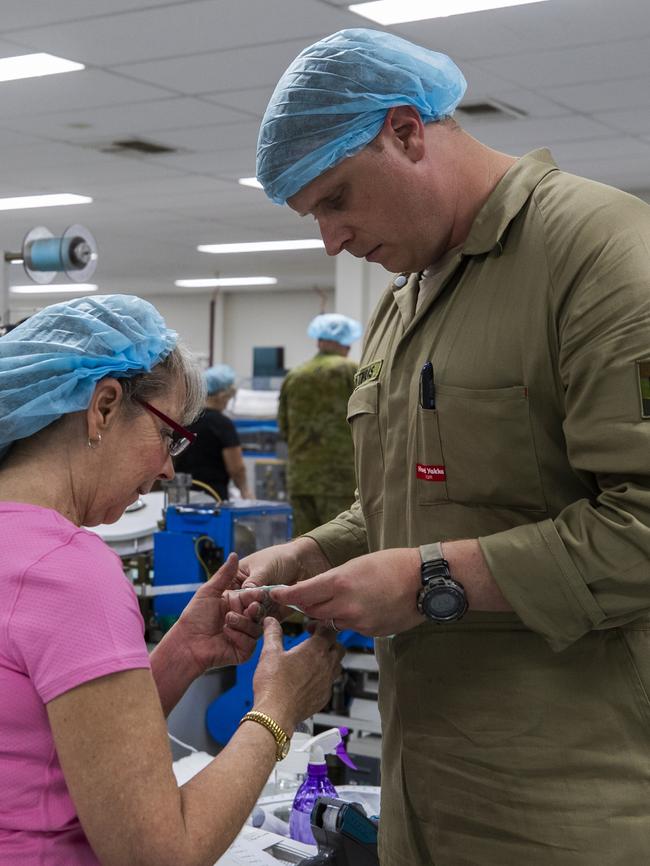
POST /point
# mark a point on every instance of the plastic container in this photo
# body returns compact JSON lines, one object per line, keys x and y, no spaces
{"x":317,"y":784}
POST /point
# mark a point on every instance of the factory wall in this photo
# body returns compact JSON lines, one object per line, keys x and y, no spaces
{"x":250,"y":318}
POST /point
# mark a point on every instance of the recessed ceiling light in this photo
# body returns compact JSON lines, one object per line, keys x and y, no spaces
{"x":250,"y":181}
{"x":54,"y":200}
{"x":63,"y":288}
{"x":35,"y":65}
{"x":261,"y":246}
{"x":401,"y":11}
{"x":225,"y":281}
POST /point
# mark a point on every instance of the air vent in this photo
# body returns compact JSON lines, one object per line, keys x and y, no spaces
{"x":492,"y":109}
{"x":137,"y":145}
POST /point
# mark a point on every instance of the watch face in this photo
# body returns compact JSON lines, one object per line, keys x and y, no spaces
{"x":442,"y":602}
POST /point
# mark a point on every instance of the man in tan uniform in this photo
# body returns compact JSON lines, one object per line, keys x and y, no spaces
{"x":311,"y":419}
{"x":502,"y":447}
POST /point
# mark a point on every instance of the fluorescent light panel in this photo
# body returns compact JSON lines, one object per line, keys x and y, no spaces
{"x":262,"y":246}
{"x":401,"y":11}
{"x":54,"y":200}
{"x":62,"y":288}
{"x":35,"y":65}
{"x":250,"y":181}
{"x":214,"y":282}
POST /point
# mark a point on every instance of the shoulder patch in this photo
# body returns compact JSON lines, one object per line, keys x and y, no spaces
{"x":368,"y":373}
{"x":643,"y":371}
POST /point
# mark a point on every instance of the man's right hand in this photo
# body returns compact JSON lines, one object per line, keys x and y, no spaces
{"x":282,"y":564}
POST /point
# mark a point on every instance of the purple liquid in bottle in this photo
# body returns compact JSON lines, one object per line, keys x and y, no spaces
{"x":315,"y":785}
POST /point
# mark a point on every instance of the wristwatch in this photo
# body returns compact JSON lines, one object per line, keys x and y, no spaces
{"x":282,"y":740}
{"x":441,"y":599}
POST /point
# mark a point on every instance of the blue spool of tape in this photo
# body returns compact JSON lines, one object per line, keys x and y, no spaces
{"x":47,"y":255}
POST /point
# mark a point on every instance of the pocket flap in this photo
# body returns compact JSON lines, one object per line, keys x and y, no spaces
{"x":364,"y":401}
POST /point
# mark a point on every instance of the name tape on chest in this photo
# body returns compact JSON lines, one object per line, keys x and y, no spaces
{"x":368,"y":373}
{"x":427,"y":472}
{"x":643,"y":369}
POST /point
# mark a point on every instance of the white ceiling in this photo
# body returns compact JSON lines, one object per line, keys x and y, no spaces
{"x":195,"y":75}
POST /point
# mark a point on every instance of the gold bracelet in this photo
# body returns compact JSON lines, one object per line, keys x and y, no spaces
{"x":282,"y":739}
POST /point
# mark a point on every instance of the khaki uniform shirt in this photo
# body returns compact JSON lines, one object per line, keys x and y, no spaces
{"x":311,"y":419}
{"x":518,"y":738}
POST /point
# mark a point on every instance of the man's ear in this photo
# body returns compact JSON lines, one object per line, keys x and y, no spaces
{"x":104,"y":406}
{"x":403,"y":125}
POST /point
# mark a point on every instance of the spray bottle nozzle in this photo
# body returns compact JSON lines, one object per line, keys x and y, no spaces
{"x":330,"y":742}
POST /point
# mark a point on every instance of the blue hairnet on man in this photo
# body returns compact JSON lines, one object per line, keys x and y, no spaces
{"x":332,"y":101}
{"x":498,"y":545}
{"x":336,"y":327}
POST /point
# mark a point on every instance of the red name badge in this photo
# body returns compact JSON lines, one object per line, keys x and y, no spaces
{"x":430,"y":473}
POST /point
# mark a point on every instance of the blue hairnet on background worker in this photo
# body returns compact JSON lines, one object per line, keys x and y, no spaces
{"x":312,"y":420}
{"x":498,"y":548}
{"x":216,"y":456}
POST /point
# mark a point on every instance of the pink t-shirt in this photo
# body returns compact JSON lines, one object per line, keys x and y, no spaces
{"x":67,"y":615}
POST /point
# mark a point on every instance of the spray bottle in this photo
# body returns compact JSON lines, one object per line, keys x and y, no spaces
{"x":317,"y":783}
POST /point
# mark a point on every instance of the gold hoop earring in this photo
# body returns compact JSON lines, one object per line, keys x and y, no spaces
{"x":93,"y":443}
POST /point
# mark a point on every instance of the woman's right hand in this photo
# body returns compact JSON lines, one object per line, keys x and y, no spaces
{"x":294,"y":684}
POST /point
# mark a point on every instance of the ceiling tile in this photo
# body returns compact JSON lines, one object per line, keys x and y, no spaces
{"x":144,"y":119}
{"x":176,"y":30}
{"x":74,"y":91}
{"x":219,"y":70}
{"x":576,"y":65}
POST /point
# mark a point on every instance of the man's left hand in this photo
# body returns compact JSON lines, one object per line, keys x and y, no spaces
{"x":373,"y":594}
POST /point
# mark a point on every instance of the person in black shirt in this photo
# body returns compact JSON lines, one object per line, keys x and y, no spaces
{"x":215,"y":457}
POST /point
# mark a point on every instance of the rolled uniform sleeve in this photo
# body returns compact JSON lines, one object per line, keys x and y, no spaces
{"x":344,"y":537}
{"x":589,"y":567}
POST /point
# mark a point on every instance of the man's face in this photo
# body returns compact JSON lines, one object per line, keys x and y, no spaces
{"x":373,"y":205}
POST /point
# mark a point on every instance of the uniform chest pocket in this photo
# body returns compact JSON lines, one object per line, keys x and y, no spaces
{"x":363,"y":417}
{"x":488,"y":449}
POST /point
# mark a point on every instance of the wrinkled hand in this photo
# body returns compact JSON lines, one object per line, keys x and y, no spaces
{"x":292,"y":685}
{"x":373,"y":594}
{"x":220,"y":628}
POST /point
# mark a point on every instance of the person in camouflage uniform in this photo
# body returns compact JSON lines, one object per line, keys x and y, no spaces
{"x":312,"y":421}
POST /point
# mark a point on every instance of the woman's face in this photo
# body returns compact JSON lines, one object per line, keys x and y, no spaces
{"x":132,"y":455}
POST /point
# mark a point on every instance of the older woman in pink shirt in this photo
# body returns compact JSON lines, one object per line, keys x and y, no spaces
{"x":93,"y":396}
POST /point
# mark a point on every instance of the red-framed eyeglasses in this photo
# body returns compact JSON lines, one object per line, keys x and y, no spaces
{"x":182,"y":439}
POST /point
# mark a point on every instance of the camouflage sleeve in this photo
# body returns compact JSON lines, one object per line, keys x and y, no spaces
{"x":283,"y":418}
{"x":344,"y":537}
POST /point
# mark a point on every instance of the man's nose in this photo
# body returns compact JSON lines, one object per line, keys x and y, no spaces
{"x":335,"y":236}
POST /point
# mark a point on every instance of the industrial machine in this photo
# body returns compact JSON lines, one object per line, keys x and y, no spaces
{"x":196,"y":539}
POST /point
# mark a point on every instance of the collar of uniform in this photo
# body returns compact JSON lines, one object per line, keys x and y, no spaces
{"x":406,"y":296}
{"x":506,"y":200}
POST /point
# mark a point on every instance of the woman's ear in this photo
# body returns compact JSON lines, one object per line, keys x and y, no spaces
{"x":104,"y":405}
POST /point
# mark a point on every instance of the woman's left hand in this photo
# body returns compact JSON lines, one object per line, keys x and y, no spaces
{"x":219,"y":630}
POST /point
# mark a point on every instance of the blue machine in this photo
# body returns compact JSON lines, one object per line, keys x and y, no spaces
{"x":197,"y":539}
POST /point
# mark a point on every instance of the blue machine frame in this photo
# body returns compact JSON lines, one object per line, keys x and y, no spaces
{"x":223,"y":529}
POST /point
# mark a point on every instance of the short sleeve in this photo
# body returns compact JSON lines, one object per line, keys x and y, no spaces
{"x":227,"y":433}
{"x":76,"y":618}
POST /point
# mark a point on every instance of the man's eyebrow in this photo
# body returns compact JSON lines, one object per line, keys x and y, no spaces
{"x":332,"y":194}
